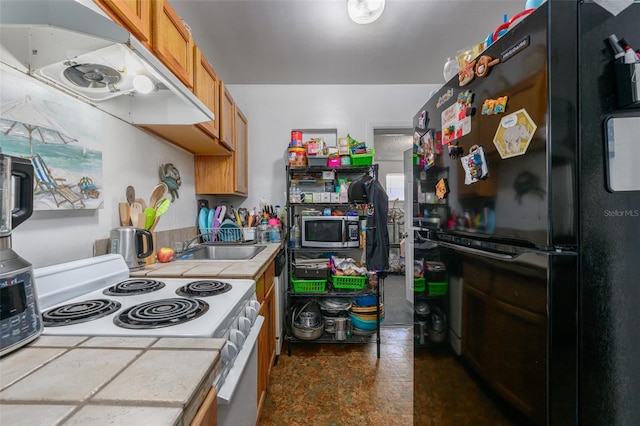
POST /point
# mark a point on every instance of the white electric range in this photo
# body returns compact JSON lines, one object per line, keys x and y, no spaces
{"x":96,"y":297}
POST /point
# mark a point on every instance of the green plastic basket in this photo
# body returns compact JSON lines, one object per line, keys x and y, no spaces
{"x":348,"y":283}
{"x":438,"y":289}
{"x":418,"y":285}
{"x":308,"y":286}
{"x":362,"y":159}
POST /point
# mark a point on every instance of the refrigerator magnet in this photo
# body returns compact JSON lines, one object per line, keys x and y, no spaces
{"x":466,"y":74}
{"x":442,"y":189}
{"x":514,"y":134}
{"x":475,"y":165}
{"x":494,"y":106}
{"x":444,"y":98}
{"x":484,"y":63}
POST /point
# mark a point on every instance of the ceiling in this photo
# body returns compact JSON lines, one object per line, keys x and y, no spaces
{"x":315,"y":42}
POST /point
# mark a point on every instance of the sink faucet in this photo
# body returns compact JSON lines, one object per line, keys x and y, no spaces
{"x":187,"y":244}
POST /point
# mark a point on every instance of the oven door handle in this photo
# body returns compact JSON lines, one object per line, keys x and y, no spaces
{"x":228,"y":388}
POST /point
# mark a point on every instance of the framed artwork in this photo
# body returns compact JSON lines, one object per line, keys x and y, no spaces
{"x":61,"y":137}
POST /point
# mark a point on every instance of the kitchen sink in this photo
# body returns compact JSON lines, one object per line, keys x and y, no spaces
{"x":221,"y":252}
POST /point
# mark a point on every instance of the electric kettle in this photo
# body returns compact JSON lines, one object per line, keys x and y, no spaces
{"x":20,"y":320}
{"x":129,"y":242}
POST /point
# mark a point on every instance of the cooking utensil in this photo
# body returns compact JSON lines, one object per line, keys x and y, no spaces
{"x":142,"y":202}
{"x":150,"y":215}
{"x":158,"y":193}
{"x":161,"y":208}
{"x":136,"y":210}
{"x":216,"y":222}
{"x":125,"y":214}
{"x":131,"y":194}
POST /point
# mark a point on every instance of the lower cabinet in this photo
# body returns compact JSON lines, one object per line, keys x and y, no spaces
{"x":504,"y":335}
{"x":207,"y":414}
{"x":267,"y":338}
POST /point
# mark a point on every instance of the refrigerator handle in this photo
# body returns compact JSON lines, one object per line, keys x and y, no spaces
{"x":497,"y":256}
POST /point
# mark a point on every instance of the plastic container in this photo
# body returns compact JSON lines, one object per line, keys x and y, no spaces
{"x":348,"y":283}
{"x":437,"y":289}
{"x":451,"y":68}
{"x":362,"y":159}
{"x":333,"y":162}
{"x":308,"y":286}
{"x":297,"y":157}
{"x":296,"y":138}
{"x":418,"y":285}
{"x":317,"y":160}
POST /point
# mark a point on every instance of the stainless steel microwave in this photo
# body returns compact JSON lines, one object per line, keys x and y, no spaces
{"x":330,"y":231}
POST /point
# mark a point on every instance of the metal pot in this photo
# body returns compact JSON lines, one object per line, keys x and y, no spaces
{"x":308,"y":319}
{"x":299,"y":330}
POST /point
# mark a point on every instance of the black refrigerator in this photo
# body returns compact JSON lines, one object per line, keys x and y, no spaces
{"x":538,"y":212}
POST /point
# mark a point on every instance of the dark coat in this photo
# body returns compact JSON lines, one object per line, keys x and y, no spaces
{"x":377,"y":248}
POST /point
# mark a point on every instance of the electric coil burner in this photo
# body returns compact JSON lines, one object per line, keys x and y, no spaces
{"x":203,"y":288}
{"x":133,"y":286}
{"x":161,"y":313}
{"x":75,"y":313}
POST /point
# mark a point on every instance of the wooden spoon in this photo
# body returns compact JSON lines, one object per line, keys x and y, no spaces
{"x":142,"y":202}
{"x":135,"y":211}
{"x":125,"y":215}
{"x":158,"y":194}
{"x":131,"y":194}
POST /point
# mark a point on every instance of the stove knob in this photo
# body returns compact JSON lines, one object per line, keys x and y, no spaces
{"x":251,"y":313}
{"x":229,"y":352}
{"x":255,"y":305}
{"x":237,"y":338}
{"x":244,"y":325}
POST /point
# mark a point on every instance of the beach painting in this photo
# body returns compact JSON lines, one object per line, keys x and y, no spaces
{"x":60,"y":135}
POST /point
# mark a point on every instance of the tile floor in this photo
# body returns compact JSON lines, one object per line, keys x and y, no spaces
{"x":341,"y":384}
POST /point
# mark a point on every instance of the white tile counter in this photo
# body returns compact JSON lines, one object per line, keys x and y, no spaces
{"x":242,"y":269}
{"x":77,"y":380}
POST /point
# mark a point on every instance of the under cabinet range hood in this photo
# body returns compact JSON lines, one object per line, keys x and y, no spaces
{"x":73,"y":46}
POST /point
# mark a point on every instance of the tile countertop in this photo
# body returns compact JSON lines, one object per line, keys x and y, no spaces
{"x":81,"y":380}
{"x":242,"y":269}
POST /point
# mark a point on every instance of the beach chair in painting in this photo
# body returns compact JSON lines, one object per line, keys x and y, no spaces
{"x":88,"y":188}
{"x":45,"y":183}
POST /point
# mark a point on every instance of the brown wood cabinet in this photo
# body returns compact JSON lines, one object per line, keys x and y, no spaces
{"x":267,"y":338}
{"x":504,"y":333}
{"x":227,"y":117}
{"x":172,"y":42}
{"x":134,"y":15}
{"x":206,"y":86}
{"x":226,"y":175}
{"x":207,"y":414}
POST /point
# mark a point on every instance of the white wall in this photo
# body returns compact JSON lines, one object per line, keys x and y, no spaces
{"x":130,"y":157}
{"x":273,"y":110}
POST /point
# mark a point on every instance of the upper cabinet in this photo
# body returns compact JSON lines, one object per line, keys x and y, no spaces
{"x":227,"y":117}
{"x":172,"y":42}
{"x":241,"y":152}
{"x":206,"y":86}
{"x":220,"y":175}
{"x":134,"y":15}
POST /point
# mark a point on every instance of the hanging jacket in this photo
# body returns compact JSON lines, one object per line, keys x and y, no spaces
{"x":377,"y":248}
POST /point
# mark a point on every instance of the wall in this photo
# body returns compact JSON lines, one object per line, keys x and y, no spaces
{"x":130,"y":157}
{"x":273,"y":110}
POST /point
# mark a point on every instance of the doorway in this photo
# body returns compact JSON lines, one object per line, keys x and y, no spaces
{"x":390,"y":143}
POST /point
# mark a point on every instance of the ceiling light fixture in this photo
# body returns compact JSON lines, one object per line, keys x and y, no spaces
{"x":365,"y":11}
{"x":143,"y":84}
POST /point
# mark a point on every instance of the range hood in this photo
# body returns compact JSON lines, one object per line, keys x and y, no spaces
{"x":75,"y":47}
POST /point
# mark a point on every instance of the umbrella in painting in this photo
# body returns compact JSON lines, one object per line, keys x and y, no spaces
{"x":27,"y":119}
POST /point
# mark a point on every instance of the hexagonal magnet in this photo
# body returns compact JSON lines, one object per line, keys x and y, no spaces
{"x":514,"y":134}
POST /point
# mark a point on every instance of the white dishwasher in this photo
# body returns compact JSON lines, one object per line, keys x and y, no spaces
{"x":280,"y":287}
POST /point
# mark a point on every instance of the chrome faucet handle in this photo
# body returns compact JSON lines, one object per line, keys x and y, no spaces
{"x":187,"y":244}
